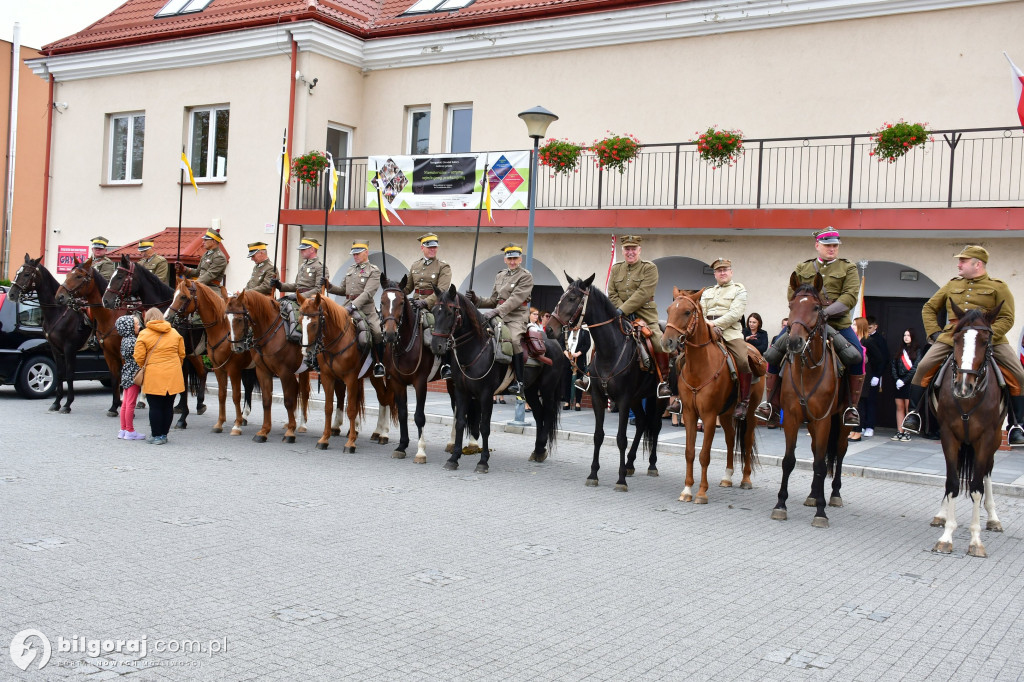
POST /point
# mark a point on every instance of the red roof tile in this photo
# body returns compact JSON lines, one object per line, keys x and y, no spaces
{"x":165,"y":243}
{"x":134,"y":22}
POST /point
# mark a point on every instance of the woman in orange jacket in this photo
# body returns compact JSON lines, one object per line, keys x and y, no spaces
{"x":160,"y":349}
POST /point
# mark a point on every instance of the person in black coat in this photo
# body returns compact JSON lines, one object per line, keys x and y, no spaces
{"x":583,"y":343}
{"x":754,"y":334}
{"x":903,"y":367}
{"x":877,"y":349}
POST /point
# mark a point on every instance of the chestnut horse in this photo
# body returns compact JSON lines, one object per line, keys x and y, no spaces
{"x":82,"y":289}
{"x":255,"y":323}
{"x":810,"y":381}
{"x":193,"y":297}
{"x":707,"y":390}
{"x":970,"y":411}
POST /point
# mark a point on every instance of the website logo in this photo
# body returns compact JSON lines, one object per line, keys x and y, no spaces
{"x":23,"y":652}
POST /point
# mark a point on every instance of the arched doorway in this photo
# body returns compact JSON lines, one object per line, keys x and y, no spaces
{"x":546,"y":288}
{"x":396,"y":271}
{"x":682,"y":272}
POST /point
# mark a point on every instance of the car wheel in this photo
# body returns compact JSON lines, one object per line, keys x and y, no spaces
{"x":38,"y":378}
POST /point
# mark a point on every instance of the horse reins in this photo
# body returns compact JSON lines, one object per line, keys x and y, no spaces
{"x":808,"y":362}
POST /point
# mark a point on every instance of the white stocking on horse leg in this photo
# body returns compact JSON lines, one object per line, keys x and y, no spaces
{"x":993,"y":523}
{"x":939,"y":519}
{"x":339,"y":416}
{"x":380,"y":433}
{"x":945,"y":543}
{"x":421,"y":450}
{"x":727,"y":479}
{"x":976,"y":548}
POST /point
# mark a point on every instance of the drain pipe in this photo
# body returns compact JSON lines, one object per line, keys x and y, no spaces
{"x":12,"y":145}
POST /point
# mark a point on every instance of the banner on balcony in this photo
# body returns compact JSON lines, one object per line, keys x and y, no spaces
{"x":449,"y":181}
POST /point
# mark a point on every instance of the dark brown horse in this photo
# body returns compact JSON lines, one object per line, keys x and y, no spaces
{"x":970,"y":411}
{"x":255,"y":323}
{"x":810,"y":382}
{"x":707,"y":391}
{"x":82,"y":290}
{"x":192,"y":297}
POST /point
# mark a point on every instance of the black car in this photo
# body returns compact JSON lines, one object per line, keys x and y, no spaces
{"x":25,"y":356}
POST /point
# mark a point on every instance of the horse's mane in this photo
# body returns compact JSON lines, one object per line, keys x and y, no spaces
{"x":264,"y":306}
{"x":210,"y":298}
{"x":392,"y":284}
{"x":99,"y":281}
{"x":475,"y":319}
{"x":808,"y":288}
{"x":597,"y":297}
{"x":334,"y":315}
{"x":162,"y":287}
{"x":970,"y":318}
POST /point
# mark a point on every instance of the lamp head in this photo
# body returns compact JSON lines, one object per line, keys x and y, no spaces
{"x":537,"y":121}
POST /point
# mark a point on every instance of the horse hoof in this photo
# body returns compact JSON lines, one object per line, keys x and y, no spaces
{"x":398,"y":454}
{"x":53,"y":408}
{"x":943,"y":547}
{"x":448,"y":448}
{"x":937,"y":522}
{"x":236,"y":432}
{"x":591,"y":483}
{"x":994,"y":526}
{"x":835,"y":501}
{"x":978,"y":551}
{"x":180,"y":427}
{"x":726,"y":483}
{"x":245,"y":422}
{"x":259,"y":439}
{"x":301,"y":429}
{"x":321,"y":446}
{"x":779,"y":515}
{"x":481,"y":468}
{"x":65,"y":410}
{"x":177,"y":410}
{"x":419,"y":459}
{"x":217,"y":429}
{"x":810,"y":502}
{"x":335,"y":432}
{"x":538,"y":456}
{"x":348,"y":449}
{"x":374,"y":437}
{"x":621,"y":487}
{"x":746,"y":485}
{"x":383,"y":440}
{"x":686,"y":497}
{"x":819,"y":522}
{"x":201,"y":409}
{"x":701,"y":499}
{"x":653,"y":472}
{"x":630,"y":472}
{"x":110,"y":413}
{"x":451,"y":466}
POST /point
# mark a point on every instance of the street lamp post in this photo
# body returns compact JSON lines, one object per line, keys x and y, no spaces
{"x":537,"y":121}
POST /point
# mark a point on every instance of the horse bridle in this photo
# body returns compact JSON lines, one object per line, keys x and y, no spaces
{"x":318,"y":346}
{"x":575,"y":320}
{"x":807,"y":361}
{"x":452,"y":344}
{"x":980,"y":374}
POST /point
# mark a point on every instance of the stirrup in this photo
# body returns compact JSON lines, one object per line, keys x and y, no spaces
{"x":378,"y":370}
{"x":764,"y":411}
{"x":515,"y":388}
{"x":740,"y":410}
{"x":302,"y":368}
{"x":663,"y":390}
{"x":851,"y":417}
{"x":446,"y":371}
{"x":675,"y":406}
{"x":1015,"y":435}
{"x":912,"y":422}
{"x":583,"y":383}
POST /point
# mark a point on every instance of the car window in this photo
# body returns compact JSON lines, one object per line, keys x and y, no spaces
{"x":29,"y":314}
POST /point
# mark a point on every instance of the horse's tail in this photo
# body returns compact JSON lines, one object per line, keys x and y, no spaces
{"x":965,"y":466}
{"x":833,"y":445}
{"x":360,"y":398}
{"x":473,"y":414}
{"x":192,"y":377}
{"x":746,"y":438}
{"x":248,"y":383}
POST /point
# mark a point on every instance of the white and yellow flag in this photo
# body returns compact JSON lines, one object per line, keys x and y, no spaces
{"x":187,"y":167}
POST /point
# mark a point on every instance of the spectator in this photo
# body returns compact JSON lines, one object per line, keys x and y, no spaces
{"x":860,"y":327}
{"x":160,"y":350}
{"x":774,"y":369}
{"x":903,"y":367}
{"x":128,"y":327}
{"x":756,"y":335}
{"x":877,"y":348}
{"x":573,"y":394}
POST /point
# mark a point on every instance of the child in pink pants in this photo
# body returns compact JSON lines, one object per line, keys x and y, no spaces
{"x":128,"y":327}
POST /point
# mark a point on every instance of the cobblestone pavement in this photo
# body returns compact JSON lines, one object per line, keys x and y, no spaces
{"x":292,"y":563}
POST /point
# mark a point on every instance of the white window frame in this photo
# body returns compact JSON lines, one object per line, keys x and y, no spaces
{"x":430,"y":6}
{"x":450,"y":122}
{"x":208,"y":173}
{"x":129,"y":147}
{"x":343,"y":168}
{"x":178,"y":7}
{"x":410,"y":111}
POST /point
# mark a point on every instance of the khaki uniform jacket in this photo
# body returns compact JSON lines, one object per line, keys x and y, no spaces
{"x":842,"y":285}
{"x":631,"y":290}
{"x":156,"y":264}
{"x":105,"y":267}
{"x":424,"y":274}
{"x":981,"y":292}
{"x":309,"y":277}
{"x":362,"y":280}
{"x":163,"y":373}
{"x":259,"y":281}
{"x":724,"y":305}
{"x":511,"y":298}
{"x":211,"y":268}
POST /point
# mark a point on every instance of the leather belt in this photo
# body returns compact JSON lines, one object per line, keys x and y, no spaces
{"x":501,"y":301}
{"x":352,"y":298}
{"x":712,"y":317}
{"x":424,"y":292}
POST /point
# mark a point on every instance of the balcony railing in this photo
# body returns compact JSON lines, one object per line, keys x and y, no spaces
{"x":975,"y":167}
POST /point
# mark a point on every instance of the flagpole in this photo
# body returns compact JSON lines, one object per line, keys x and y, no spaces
{"x":181,"y":195}
{"x":479,"y":216}
{"x":327,"y":212}
{"x":280,"y":193}
{"x":380,"y":221}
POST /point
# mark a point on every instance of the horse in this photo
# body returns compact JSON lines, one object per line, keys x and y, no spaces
{"x":191,"y":297}
{"x":81,"y":289}
{"x":66,"y":329}
{"x":616,"y":374}
{"x":131,"y":281}
{"x":810,"y":380}
{"x":970,"y":411}
{"x":255,"y":323}
{"x":706,"y":390}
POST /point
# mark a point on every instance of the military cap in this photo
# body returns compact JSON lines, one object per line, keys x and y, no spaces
{"x":631,"y":240}
{"x":214,"y":235}
{"x":256,"y":247}
{"x":827,"y":235}
{"x":145,"y":244}
{"x":512,"y":251}
{"x":309,"y":243}
{"x":99,"y":242}
{"x":358,"y":246}
{"x":721,"y":263}
{"x":429,"y":239}
{"x":974,"y":251}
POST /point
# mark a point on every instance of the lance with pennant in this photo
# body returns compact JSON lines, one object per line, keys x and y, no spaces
{"x":479,"y":216}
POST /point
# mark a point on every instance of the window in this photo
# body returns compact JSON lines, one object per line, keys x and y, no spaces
{"x":428,"y":6}
{"x":339,"y":144}
{"x":208,"y":146}
{"x":127,"y":135}
{"x":29,"y":313}
{"x":176,"y":7}
{"x":460,"y":128}
{"x":418,"y":134}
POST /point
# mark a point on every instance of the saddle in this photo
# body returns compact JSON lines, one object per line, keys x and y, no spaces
{"x":934,"y":377}
{"x":642,"y":334}
{"x":362,"y":330}
{"x":533,"y":345}
{"x":758,"y":365}
{"x":502,"y":340}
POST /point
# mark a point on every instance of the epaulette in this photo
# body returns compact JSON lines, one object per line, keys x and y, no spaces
{"x":993,"y":279}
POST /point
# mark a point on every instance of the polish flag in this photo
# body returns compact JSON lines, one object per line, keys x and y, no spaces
{"x":1018,"y":88}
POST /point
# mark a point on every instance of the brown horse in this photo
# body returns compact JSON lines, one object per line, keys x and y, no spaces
{"x":810,"y":379}
{"x":192,"y":297}
{"x":970,"y":411}
{"x":82,"y":291}
{"x":255,"y":323}
{"x":707,"y":390}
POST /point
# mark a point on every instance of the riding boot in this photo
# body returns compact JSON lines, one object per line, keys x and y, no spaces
{"x":743,"y":400}
{"x":378,"y":355}
{"x":851,"y":417}
{"x":1015,"y":434}
{"x":768,"y":410}
{"x":912,"y":421}
{"x":446,"y":371}
{"x":664,"y":390}
{"x":518,"y":366}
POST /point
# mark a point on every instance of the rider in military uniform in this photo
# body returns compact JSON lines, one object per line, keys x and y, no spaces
{"x":308,"y":279}
{"x":100,"y":262}
{"x":153,"y":261}
{"x":424,"y":274}
{"x":362,"y":280}
{"x":510,"y":300}
{"x":841,"y":285}
{"x":263,"y":271}
{"x":212,"y":265}
{"x":631,"y":291}
{"x":971,"y":289}
{"x":723,"y":306}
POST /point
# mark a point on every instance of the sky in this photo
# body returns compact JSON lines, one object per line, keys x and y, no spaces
{"x":44,"y":21}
